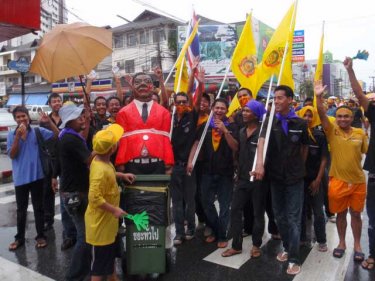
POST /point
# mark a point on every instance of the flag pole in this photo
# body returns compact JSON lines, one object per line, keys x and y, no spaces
{"x":210,"y":117}
{"x":178,"y":89}
{"x":272,"y":113}
{"x":261,"y":126}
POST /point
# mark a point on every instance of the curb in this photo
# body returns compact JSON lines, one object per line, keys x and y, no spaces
{"x":6,"y":176}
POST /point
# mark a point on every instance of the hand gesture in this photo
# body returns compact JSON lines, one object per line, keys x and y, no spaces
{"x":195,"y":63}
{"x":220,"y":125}
{"x":44,"y":118}
{"x":21,"y":131}
{"x":319,"y":88}
{"x":158,"y":73}
{"x":118,"y":212}
{"x":348,"y":63}
{"x":201,"y":74}
{"x":129,"y":178}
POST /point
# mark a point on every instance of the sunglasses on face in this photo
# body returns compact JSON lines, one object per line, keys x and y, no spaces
{"x":181,"y":102}
{"x":138,"y":81}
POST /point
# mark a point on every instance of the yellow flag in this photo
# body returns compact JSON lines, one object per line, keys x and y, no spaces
{"x":244,"y":57}
{"x":234,"y":105}
{"x":183,"y":84}
{"x":319,"y":65}
{"x":273,"y":55}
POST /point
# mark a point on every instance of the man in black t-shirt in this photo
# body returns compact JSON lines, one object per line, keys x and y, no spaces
{"x":217,"y":161}
{"x":285,"y":164}
{"x":369,"y":108}
{"x":73,"y":159}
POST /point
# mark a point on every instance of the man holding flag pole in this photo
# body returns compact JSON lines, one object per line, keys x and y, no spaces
{"x":286,"y":138}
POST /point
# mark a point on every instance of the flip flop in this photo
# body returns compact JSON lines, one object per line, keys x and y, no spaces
{"x":282,"y":256}
{"x":255,"y":252}
{"x":338,"y":253}
{"x":230,"y":252}
{"x":16,"y":245}
{"x":359,"y":256}
{"x":41,"y":243}
{"x":368,"y":264}
{"x":210,"y":239}
{"x":293,"y":269}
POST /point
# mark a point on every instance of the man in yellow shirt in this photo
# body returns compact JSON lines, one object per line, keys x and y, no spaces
{"x":347,"y":186}
{"x":103,"y":212}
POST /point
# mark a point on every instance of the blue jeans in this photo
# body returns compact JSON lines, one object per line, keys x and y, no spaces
{"x":80,"y":263}
{"x":370,"y":208}
{"x":69,"y":230}
{"x":287,"y":202}
{"x":222,"y":187}
{"x":182,"y":189}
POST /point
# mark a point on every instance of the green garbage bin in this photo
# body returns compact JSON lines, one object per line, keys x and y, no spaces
{"x":145,"y":249}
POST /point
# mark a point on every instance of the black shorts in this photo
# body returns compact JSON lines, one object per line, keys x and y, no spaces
{"x":103,"y":259}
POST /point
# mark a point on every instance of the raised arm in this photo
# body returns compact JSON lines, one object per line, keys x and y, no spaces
{"x":363,"y":101}
{"x":319,"y":90}
{"x":163,"y":92}
{"x":200,"y":77}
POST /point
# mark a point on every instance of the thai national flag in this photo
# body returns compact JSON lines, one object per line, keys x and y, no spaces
{"x":193,"y":51}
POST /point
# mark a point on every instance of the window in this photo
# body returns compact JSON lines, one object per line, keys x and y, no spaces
{"x":120,"y":64}
{"x":29,"y":79}
{"x":118,"y":41}
{"x":143,"y":37}
{"x":154,"y":62}
{"x":158,"y":35}
{"x":13,"y":80}
{"x":129,"y":66}
{"x":131,"y":40}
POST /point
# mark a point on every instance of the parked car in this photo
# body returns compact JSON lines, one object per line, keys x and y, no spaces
{"x":34,"y":111}
{"x":7,"y":123}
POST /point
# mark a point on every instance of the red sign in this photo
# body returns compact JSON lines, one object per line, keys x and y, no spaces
{"x":18,"y":18}
{"x":298,"y":58}
{"x":298,"y":39}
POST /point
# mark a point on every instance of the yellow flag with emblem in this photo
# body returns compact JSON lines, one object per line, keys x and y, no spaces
{"x":244,"y":63}
{"x":319,"y":65}
{"x":273,"y":55}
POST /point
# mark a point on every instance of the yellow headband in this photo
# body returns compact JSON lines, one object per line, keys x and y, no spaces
{"x":344,"y":111}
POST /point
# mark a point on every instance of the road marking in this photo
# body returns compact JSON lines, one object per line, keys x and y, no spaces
{"x":10,"y":271}
{"x":58,"y":217}
{"x":6,"y":187}
{"x":8,"y":199}
{"x":329,"y":268}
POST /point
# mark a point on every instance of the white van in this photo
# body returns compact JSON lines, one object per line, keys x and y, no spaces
{"x":35,"y":109}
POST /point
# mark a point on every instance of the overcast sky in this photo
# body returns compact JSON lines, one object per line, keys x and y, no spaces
{"x":349,"y":25}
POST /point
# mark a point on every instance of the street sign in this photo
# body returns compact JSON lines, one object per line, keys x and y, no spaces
{"x":21,"y":65}
{"x":299,"y":32}
{"x":299,"y":39}
{"x":298,"y":58}
{"x":298,"y":45}
{"x":298,"y":52}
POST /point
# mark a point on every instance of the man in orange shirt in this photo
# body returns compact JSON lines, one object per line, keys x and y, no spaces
{"x":347,"y":185}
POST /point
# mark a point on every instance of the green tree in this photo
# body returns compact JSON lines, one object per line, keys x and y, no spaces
{"x":306,"y":89}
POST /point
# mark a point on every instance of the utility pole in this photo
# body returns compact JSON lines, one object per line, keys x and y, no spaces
{"x":373,"y":83}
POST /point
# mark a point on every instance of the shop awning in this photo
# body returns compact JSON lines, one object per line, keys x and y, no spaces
{"x":37,"y":99}
{"x":15,"y":100}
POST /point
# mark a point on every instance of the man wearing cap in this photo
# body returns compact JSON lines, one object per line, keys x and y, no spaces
{"x":244,"y":190}
{"x":145,"y":147}
{"x":347,"y":184}
{"x":74,"y":158}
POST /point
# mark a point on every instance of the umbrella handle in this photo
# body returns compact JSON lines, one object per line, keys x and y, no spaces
{"x":84,"y":92}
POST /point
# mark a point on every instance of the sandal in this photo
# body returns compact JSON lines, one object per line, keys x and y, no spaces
{"x":338,"y":253}
{"x":282,"y":256}
{"x":359,"y":256}
{"x":322,"y":247}
{"x":255,"y":252}
{"x":293,"y":269}
{"x":210,"y":239}
{"x":41,"y":243}
{"x":368,"y":264}
{"x":222,"y":244}
{"x":15,"y":245}
{"x":230,"y":252}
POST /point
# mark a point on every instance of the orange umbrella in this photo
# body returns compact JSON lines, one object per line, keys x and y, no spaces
{"x":70,"y":50}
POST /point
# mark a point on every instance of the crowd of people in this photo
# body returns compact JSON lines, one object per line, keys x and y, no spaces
{"x":311,"y":168}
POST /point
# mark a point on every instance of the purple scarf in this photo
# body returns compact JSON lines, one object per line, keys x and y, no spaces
{"x":284,"y":119}
{"x":72,"y":132}
{"x":225,"y":121}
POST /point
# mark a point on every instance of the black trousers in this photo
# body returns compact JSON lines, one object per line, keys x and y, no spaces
{"x":48,"y":201}
{"x":35,"y":188}
{"x":243,"y":192}
{"x":199,"y":210}
{"x":156,"y":168}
